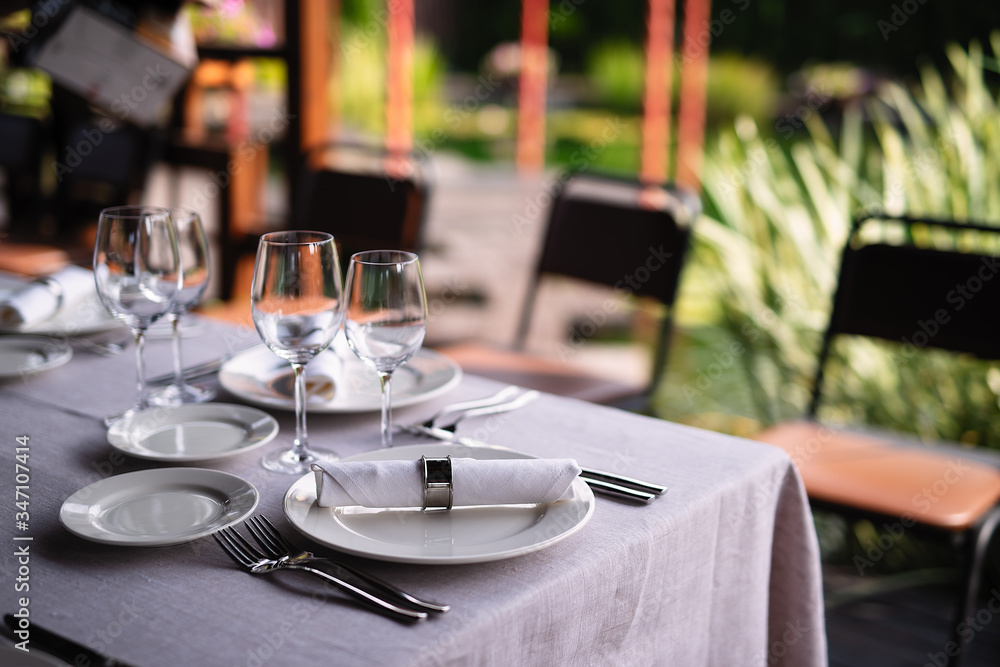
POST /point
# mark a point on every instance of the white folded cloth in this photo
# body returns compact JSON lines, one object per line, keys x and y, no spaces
{"x":474,"y":482}
{"x":39,"y":300}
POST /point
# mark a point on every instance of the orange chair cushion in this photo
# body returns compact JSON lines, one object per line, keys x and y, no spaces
{"x":533,"y":372}
{"x":933,"y":486}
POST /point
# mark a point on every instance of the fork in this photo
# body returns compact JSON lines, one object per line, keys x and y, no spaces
{"x":462,"y":406}
{"x":491,"y":409}
{"x":275,"y":545}
{"x":252,"y":560}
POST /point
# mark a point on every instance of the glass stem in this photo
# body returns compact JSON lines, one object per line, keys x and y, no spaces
{"x":301,"y":443}
{"x":175,"y":321}
{"x":386,"y":380}
{"x":140,"y":368}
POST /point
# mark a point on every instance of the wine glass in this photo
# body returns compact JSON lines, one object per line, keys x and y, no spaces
{"x":386,"y":316}
{"x":193,"y":247}
{"x":137,"y":273}
{"x":296,"y":301}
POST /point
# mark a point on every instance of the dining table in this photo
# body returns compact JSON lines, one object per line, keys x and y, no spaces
{"x":722,"y":569}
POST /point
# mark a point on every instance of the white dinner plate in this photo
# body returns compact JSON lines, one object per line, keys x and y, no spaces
{"x":27,"y":355}
{"x":158,"y":507}
{"x":193,"y":432}
{"x":336,"y":381}
{"x":461,"y":535}
{"x":88,"y":316}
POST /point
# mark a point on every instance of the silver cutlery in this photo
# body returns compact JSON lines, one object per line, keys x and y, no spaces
{"x":250,"y":559}
{"x":275,"y":545}
{"x":493,"y":409}
{"x":600,"y":481}
{"x":460,"y":406}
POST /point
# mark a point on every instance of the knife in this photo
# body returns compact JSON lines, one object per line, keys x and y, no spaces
{"x":59,"y":646}
{"x":599,"y":481}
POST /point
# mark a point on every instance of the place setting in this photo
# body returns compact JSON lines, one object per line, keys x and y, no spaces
{"x":450,"y":501}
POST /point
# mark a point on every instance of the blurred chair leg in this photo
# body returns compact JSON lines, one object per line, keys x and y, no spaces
{"x":976,"y":545}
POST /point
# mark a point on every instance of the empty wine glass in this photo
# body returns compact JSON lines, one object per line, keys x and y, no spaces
{"x":137,"y":273}
{"x":386,"y":316}
{"x":296,"y":302}
{"x":193,"y":247}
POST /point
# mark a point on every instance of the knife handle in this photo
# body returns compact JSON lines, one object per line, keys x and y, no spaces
{"x":617,"y":491}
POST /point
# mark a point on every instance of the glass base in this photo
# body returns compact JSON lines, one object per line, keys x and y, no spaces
{"x":109,"y":420}
{"x":174,"y":394}
{"x":288,"y":461}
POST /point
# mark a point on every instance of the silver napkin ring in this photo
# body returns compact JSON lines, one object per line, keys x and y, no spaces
{"x":438,"y":491}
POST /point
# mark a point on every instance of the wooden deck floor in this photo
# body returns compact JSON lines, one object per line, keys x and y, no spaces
{"x":908,"y":628}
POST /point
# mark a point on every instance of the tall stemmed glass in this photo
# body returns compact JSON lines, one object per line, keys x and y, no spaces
{"x":386,"y":316}
{"x":296,"y":300}
{"x":193,"y":247}
{"x":137,"y":273}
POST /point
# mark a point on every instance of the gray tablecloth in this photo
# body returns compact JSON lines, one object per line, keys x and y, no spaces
{"x":723,"y":570}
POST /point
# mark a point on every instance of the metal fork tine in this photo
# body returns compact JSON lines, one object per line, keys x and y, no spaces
{"x":237,"y":557}
{"x":263,"y":522}
{"x":260,"y":534}
{"x":247,"y":548}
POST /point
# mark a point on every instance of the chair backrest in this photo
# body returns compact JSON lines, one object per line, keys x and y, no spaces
{"x":20,"y":158}
{"x":620,"y":233}
{"x":915,"y":281}
{"x":367,"y":198}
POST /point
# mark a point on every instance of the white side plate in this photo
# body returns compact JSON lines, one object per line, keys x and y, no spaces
{"x":193,"y":432}
{"x":27,"y":355}
{"x":158,"y":507}
{"x":461,"y":535}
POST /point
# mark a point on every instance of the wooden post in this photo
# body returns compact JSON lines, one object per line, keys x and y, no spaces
{"x":656,"y":102}
{"x":531,"y":98}
{"x":694,"y":84}
{"x":399,"y":91}
{"x":315,"y":59}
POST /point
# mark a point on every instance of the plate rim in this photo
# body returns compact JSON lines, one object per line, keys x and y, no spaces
{"x":65,"y":354}
{"x":158,"y":540}
{"x":154,"y":456}
{"x":582,"y":491}
{"x":225,"y":371}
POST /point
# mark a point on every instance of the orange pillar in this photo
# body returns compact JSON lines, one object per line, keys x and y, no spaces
{"x":315,"y":63}
{"x":694,"y":84}
{"x":531,"y":98}
{"x":399,"y":91}
{"x":656,"y":102}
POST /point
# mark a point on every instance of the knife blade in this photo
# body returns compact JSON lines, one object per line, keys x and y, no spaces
{"x":599,"y":481}
{"x":65,"y":649}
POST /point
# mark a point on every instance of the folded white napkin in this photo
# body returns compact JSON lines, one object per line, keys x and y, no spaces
{"x":474,"y":482}
{"x":38,"y":301}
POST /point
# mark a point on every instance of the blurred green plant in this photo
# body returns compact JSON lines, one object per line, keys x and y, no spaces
{"x":768,"y":247}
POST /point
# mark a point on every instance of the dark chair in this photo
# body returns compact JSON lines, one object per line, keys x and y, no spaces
{"x":368,"y":198}
{"x":909,"y":291}
{"x":615,"y":232}
{"x":99,"y":164}
{"x":21,"y":151}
